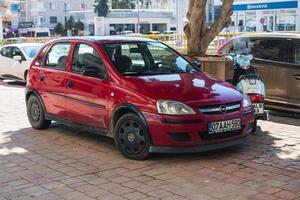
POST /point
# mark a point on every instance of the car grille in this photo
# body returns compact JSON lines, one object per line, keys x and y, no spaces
{"x":206,"y":136}
{"x":220,"y":109}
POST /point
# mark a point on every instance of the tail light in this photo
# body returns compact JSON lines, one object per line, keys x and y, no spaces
{"x":256,"y":98}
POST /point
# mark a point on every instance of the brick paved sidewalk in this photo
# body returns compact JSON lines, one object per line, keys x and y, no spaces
{"x":62,"y":163}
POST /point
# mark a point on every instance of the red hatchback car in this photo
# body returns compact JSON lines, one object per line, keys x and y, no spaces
{"x":138,"y":91}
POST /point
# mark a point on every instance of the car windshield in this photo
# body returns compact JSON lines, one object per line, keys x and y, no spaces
{"x":146,"y":58}
{"x":31,"y":51}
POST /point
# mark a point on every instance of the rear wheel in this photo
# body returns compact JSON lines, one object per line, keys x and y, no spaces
{"x":132,"y":137}
{"x":36,"y":113}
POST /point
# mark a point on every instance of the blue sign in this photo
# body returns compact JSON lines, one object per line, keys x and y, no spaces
{"x":266,"y":6}
{"x":15,"y":8}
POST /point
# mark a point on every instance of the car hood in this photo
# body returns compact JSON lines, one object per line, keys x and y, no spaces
{"x":190,"y":88}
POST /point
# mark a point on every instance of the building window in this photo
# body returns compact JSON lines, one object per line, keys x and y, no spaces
{"x":285,"y":20}
{"x":53,"y":20}
{"x":52,"y":6}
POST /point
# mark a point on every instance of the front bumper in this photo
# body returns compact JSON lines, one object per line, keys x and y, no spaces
{"x":189,"y":133}
{"x":195,"y":149}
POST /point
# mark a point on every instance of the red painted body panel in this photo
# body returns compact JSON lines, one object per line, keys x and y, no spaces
{"x":92,"y":101}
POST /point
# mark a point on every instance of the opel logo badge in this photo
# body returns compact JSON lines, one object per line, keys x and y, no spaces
{"x":131,"y":137}
{"x":223,"y":109}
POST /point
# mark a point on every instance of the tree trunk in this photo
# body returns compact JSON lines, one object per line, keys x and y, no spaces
{"x":199,"y":35}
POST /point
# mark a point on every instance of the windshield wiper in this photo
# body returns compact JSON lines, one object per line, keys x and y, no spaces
{"x":173,"y":71}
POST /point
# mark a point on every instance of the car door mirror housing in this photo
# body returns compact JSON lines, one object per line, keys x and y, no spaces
{"x":18,"y":58}
{"x":197,"y":63}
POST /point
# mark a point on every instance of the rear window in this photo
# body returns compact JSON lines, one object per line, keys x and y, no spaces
{"x":40,"y":57}
{"x":57,"y":56}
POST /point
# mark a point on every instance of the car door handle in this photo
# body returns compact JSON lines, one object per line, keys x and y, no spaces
{"x":297,"y":77}
{"x":42,"y":78}
{"x":70,"y":84}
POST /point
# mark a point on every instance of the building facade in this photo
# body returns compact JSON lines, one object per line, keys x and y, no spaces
{"x":160,"y":15}
{"x":258,"y":16}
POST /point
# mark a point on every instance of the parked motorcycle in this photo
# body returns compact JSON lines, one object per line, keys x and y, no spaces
{"x":247,"y":80}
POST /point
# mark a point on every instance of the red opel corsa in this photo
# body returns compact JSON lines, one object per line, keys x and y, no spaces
{"x":140,"y":92}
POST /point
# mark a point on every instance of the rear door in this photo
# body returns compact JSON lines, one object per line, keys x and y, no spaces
{"x":52,"y":79}
{"x":87,"y":87}
{"x":271,"y":57}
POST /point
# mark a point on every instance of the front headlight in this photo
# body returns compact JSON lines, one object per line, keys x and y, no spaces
{"x":246,"y":101}
{"x":169,"y":107}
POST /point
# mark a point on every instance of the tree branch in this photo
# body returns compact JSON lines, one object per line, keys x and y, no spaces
{"x":222,"y":21}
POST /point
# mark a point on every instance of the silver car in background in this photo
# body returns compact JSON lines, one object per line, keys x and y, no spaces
{"x":15,"y":59}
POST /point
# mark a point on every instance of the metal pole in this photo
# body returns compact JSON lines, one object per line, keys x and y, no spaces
{"x":84,"y":17}
{"x":177,"y":16}
{"x":138,"y":18}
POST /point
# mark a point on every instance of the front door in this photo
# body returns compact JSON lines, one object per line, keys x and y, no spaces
{"x":51,"y":77}
{"x":87,"y":90}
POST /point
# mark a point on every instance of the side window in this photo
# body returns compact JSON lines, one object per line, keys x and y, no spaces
{"x":40,"y":57}
{"x":87,"y":61}
{"x":133,"y":52}
{"x":17,"y":52}
{"x":57,"y":57}
{"x":269,"y":49}
{"x":6,"y":52}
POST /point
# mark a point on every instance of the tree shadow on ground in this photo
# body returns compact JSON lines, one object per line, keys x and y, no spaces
{"x":262,"y":147}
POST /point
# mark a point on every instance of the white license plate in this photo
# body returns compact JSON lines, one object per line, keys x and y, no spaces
{"x":224,"y":126}
{"x":259,"y":108}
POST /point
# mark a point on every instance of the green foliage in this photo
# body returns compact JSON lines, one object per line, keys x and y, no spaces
{"x":121,"y":4}
{"x":146,"y":3}
{"x":70,"y":23}
{"x":59,"y":29}
{"x":79,"y":25}
{"x":130,"y":4}
{"x":101,"y":8}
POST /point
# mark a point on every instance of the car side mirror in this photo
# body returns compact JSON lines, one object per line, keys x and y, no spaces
{"x":18,"y":58}
{"x":197,"y":63}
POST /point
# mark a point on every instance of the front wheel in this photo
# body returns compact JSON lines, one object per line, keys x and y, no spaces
{"x":25,"y":76}
{"x":132,"y":137}
{"x":36,"y":113}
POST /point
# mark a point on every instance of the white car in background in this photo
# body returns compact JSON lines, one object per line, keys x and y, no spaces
{"x":15,"y":59}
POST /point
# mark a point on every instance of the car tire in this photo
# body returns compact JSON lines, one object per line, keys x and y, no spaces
{"x":132,"y":137}
{"x":254,"y":128}
{"x":36,"y":113}
{"x":25,"y":76}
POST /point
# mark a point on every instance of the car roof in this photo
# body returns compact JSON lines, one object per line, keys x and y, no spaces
{"x":104,"y":39}
{"x":22,"y":44}
{"x":272,"y":35}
